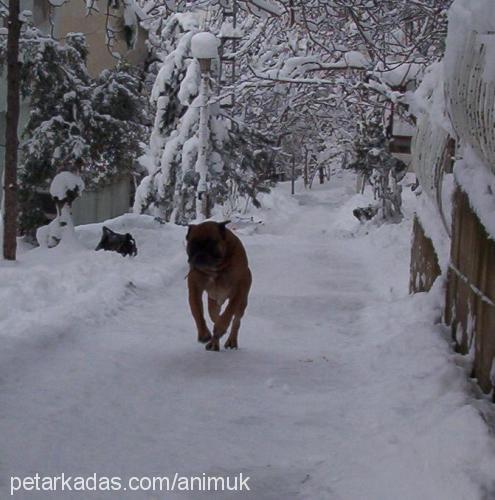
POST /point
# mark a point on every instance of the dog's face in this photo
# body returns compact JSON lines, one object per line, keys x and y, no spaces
{"x":206,"y":245}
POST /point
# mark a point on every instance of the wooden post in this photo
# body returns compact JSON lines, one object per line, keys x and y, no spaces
{"x":11,"y":138}
{"x":321,"y":174}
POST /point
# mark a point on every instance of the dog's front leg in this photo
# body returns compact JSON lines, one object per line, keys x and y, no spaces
{"x":196,"y":305}
{"x":222,"y":323}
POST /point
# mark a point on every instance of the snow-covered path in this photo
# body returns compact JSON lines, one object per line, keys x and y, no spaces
{"x":341,"y":389}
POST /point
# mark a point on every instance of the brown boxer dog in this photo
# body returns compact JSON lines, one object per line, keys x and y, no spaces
{"x":218,"y":265}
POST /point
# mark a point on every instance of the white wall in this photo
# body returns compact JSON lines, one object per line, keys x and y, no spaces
{"x":106,"y":203}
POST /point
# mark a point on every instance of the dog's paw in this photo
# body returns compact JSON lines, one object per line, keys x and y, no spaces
{"x":231,"y":343}
{"x":213,"y":345}
{"x":204,"y":337}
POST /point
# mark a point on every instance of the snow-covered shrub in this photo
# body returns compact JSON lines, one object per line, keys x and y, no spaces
{"x":64,"y":189}
{"x":377,"y":166}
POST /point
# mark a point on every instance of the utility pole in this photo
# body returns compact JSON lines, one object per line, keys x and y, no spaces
{"x":229,"y":40}
{"x":203,"y":132}
{"x":204,"y":47}
{"x":11,"y":137}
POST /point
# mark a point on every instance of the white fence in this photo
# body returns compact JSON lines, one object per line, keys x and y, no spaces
{"x":470,"y":92}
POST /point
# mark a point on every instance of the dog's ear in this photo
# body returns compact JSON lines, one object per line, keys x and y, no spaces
{"x":107,"y":231}
{"x":189,"y":230}
{"x":221,"y":226}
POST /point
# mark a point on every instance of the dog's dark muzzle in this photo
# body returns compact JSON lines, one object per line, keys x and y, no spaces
{"x":203,"y":261}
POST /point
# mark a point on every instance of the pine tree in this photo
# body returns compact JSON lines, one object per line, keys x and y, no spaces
{"x":58,"y":85}
{"x":118,"y":124}
{"x":90,"y":126}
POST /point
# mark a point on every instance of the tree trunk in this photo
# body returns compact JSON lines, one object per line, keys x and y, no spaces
{"x":306,"y":173}
{"x":293,"y":176}
{"x":11,"y":138}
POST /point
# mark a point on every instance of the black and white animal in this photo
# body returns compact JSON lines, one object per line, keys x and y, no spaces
{"x":364,"y":214}
{"x":115,"y":242}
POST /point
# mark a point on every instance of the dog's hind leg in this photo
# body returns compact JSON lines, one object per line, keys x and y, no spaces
{"x":231,"y":342}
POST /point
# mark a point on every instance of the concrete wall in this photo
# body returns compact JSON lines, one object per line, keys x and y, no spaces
{"x":72,"y":17}
{"x":108,"y":202}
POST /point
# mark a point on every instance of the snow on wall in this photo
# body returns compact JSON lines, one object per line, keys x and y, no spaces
{"x":434,"y":229}
{"x":457,"y":98}
{"x":478,"y":182}
{"x":428,"y":153}
{"x":428,"y":149}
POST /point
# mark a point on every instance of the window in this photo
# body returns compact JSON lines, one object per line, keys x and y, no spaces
{"x":400,"y":144}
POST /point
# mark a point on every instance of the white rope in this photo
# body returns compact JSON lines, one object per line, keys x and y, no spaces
{"x":475,"y":290}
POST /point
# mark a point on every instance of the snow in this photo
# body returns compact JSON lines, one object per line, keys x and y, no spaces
{"x":398,"y":74}
{"x":434,"y":229}
{"x":64,"y":182}
{"x":228,"y":30}
{"x":465,"y":18}
{"x":356,"y":59}
{"x":189,"y":87}
{"x":204,"y":45}
{"x":343,"y":387}
{"x":429,"y":98}
{"x":479,"y":184}
{"x":267,"y":7}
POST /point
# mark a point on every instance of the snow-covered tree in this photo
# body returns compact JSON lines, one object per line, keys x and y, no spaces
{"x":173,"y":143}
{"x":234,"y":156}
{"x":56,"y":81}
{"x":118,"y":124}
{"x":378,"y":167}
